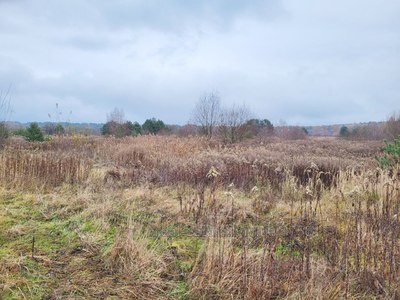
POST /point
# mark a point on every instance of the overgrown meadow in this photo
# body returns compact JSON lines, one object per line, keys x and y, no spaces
{"x":163,"y":217}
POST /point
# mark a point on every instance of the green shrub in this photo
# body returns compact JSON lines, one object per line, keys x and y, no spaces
{"x":34,"y":133}
{"x":135,"y":128}
{"x":391,"y":155}
{"x":344,"y":131}
{"x":20,"y":132}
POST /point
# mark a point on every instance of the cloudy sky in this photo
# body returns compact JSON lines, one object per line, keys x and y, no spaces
{"x":306,"y":62}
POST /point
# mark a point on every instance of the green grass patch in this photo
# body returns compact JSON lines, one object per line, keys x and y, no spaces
{"x":180,"y":291}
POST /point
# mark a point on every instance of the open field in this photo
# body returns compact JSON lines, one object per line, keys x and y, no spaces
{"x":161,"y":217}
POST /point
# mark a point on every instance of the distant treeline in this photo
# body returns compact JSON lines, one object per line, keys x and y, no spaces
{"x":374,"y":130}
{"x":210,"y":118}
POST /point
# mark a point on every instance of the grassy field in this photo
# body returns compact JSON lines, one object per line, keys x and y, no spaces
{"x":161,"y":217}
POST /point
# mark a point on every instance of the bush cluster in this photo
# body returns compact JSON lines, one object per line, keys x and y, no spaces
{"x":31,"y":134}
{"x":119,"y":129}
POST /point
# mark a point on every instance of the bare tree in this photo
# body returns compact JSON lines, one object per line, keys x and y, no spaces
{"x":5,"y":105}
{"x":5,"y":110}
{"x":206,"y":113}
{"x":233,"y":123}
{"x":117,"y":116}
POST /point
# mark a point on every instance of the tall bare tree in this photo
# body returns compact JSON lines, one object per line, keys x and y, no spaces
{"x":206,"y":113}
{"x":233,"y":123}
{"x":5,"y":105}
{"x":117,"y":116}
{"x":5,"y":110}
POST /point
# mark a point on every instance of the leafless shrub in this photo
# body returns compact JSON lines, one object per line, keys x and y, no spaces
{"x":392,"y":127}
{"x":187,"y":130}
{"x":370,"y":131}
{"x":233,"y":123}
{"x":290,"y":132}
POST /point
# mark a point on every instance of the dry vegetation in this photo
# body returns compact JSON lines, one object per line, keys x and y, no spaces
{"x":187,"y":218}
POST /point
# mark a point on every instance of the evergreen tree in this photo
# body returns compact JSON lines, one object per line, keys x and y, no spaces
{"x":153,"y":126}
{"x":34,"y":133}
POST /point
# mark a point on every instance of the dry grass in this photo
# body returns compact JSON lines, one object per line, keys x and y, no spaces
{"x":130,"y":256}
{"x":28,"y":169}
{"x":171,"y":160}
{"x":187,"y":218}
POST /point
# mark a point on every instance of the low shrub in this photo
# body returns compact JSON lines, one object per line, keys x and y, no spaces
{"x":391,"y":155}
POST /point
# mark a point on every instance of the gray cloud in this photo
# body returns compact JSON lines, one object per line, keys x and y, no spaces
{"x":308,"y":63}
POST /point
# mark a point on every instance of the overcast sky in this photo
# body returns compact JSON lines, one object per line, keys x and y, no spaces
{"x":306,"y":62}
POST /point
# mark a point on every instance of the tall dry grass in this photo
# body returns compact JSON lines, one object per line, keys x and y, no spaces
{"x":340,"y":242}
{"x":311,"y":218}
{"x":171,"y":160}
{"x":50,"y":164}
